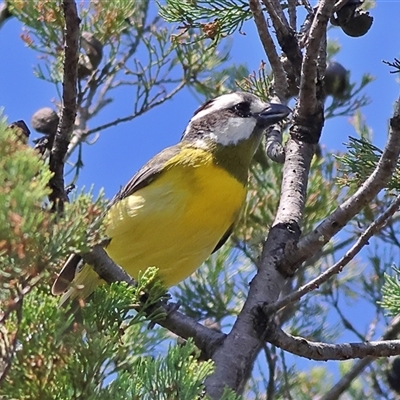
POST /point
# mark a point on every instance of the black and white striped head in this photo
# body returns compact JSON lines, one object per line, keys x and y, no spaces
{"x":232,"y":118}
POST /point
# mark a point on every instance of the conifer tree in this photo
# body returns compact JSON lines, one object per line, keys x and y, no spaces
{"x":240,"y":325}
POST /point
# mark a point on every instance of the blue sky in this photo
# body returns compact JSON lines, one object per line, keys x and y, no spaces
{"x":122,"y":150}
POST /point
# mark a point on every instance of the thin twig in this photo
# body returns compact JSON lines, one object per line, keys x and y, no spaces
{"x":346,"y":322}
{"x":339,"y":4}
{"x":278,"y":18}
{"x":8,"y":350}
{"x":138,"y":113}
{"x":271,"y":361}
{"x":280,"y":82}
{"x":285,"y":35}
{"x":68,"y":113}
{"x":80,"y":134}
{"x":286,"y":385}
{"x":308,"y":102}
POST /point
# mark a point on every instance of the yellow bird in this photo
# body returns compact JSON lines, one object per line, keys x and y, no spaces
{"x":183,"y":204}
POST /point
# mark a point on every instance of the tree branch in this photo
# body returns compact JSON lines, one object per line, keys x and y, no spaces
{"x":308,"y":101}
{"x":292,"y":14}
{"x":205,"y":338}
{"x":280,"y":82}
{"x":285,"y":34}
{"x":373,"y":229}
{"x":325,"y":351}
{"x":321,"y":235}
{"x":235,"y":356}
{"x":68,"y":113}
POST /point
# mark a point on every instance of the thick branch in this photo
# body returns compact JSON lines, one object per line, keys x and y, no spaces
{"x":292,"y":14}
{"x":68,"y":113}
{"x":205,"y":339}
{"x":236,"y":355}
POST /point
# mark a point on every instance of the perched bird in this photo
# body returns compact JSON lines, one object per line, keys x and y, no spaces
{"x":183,"y":204}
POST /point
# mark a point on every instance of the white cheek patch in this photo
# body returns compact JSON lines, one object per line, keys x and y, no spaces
{"x":233,"y":131}
{"x":229,"y":133}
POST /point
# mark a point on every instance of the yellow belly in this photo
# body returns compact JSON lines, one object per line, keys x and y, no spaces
{"x":176,"y":221}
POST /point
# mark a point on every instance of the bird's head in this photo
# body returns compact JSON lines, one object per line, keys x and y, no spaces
{"x":231,"y":119}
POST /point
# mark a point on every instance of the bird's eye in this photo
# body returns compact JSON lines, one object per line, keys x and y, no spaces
{"x":242,"y":109}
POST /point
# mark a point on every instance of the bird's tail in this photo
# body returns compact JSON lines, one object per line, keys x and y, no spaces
{"x":76,"y":280}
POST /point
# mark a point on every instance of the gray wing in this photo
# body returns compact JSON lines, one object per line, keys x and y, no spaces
{"x":146,"y":174}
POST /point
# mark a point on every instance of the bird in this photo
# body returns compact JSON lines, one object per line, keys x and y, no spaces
{"x":184,"y":203}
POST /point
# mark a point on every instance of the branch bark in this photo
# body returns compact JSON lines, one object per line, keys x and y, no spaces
{"x":236,"y":355}
{"x":285,"y":34}
{"x":325,"y":351}
{"x":308,"y":99}
{"x":61,"y":140}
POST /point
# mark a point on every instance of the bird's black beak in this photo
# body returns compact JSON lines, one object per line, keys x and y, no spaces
{"x":272,"y":114}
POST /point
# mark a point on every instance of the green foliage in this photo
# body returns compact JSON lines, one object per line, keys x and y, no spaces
{"x":215,"y":19}
{"x":108,"y":357}
{"x":359,"y":163}
{"x":258,"y":83}
{"x":307,"y":385}
{"x":222,"y":81}
{"x":391,"y":293}
{"x":44,"y":18}
{"x":177,"y":375}
{"x":32,"y":238}
{"x":23,"y":188}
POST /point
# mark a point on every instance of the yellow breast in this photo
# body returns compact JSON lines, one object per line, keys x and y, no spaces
{"x":176,"y":221}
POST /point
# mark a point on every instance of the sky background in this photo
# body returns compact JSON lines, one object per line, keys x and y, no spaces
{"x":120,"y":151}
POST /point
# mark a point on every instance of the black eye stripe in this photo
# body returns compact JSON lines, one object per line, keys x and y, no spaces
{"x":242,"y":109}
